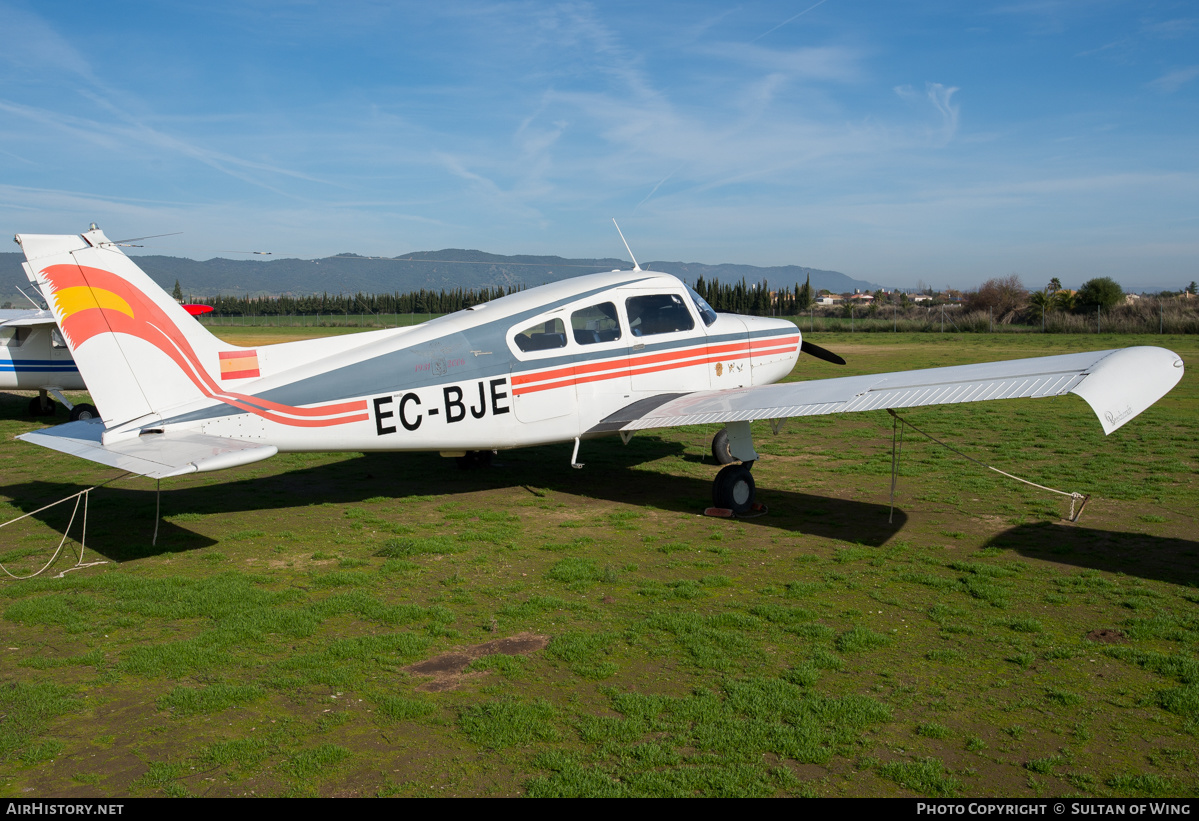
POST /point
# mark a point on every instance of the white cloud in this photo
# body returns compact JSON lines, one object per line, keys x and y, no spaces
{"x":1171,"y":81}
{"x":941,"y":98}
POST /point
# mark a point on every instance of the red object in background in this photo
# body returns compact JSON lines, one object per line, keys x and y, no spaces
{"x":196,"y":310}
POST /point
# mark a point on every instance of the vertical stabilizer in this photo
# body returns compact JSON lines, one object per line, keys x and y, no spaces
{"x":137,"y":349}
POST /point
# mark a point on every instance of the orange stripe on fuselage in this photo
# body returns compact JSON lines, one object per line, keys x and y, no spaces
{"x":651,"y":363}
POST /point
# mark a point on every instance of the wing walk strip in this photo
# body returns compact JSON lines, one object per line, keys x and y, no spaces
{"x":622,"y":364}
{"x":1021,"y":387}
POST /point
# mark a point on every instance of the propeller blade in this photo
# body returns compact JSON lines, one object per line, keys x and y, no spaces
{"x":820,"y":353}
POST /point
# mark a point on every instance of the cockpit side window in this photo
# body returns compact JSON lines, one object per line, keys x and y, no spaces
{"x":542,"y":336}
{"x":56,"y":340}
{"x":706,"y":313}
{"x":658,"y":314}
{"x":595,"y":324}
{"x":12,"y":337}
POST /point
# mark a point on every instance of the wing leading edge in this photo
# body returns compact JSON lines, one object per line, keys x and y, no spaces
{"x":1117,"y":384}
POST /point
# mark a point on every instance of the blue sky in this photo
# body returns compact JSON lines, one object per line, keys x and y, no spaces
{"x":942,"y":142}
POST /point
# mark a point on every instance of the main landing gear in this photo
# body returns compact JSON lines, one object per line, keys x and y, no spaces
{"x":84,"y":411}
{"x":733,"y":488}
{"x":43,"y":405}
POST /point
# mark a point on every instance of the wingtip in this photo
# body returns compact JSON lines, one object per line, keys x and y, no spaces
{"x":1127,"y":382}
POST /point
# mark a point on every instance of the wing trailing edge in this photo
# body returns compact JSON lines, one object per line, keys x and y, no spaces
{"x":1117,"y":384}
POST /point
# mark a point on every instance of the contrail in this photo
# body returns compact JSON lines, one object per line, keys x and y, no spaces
{"x":788,"y":20}
{"x":656,"y":187}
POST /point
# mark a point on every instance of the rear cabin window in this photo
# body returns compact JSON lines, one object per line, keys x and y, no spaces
{"x":595,"y":323}
{"x":658,"y":314}
{"x":543,"y":336}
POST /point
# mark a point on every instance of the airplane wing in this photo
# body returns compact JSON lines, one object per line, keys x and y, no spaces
{"x":25,"y":319}
{"x":1117,"y":384}
{"x":157,"y":455}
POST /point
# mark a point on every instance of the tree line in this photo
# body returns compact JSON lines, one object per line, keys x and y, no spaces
{"x":1009,"y":301}
{"x":424,"y":301}
{"x":741,"y":298}
{"x":756,"y":299}
{"x":1000,"y":301}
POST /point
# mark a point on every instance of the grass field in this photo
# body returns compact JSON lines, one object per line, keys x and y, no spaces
{"x":349,"y":625}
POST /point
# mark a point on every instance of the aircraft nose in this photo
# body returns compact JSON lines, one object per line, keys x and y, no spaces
{"x":774,"y":347}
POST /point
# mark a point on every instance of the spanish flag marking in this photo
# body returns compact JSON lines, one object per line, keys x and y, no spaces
{"x":239,"y":364}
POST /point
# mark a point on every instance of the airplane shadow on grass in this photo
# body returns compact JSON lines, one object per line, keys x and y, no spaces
{"x":1140,"y":555}
{"x":121,"y":516}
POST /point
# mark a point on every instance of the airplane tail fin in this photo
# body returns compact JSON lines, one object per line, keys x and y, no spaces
{"x":137,"y":349}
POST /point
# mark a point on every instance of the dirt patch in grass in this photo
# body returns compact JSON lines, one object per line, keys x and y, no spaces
{"x":448,"y":669}
{"x":1107,"y":636}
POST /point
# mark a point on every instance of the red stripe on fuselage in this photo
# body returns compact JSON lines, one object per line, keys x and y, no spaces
{"x":652,"y":363}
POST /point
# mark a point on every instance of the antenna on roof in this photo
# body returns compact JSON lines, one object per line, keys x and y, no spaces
{"x":636,"y":267}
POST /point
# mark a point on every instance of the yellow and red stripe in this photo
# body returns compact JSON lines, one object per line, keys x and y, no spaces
{"x":94,"y":301}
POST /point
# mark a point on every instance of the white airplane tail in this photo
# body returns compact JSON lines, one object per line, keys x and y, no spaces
{"x":138,"y":350}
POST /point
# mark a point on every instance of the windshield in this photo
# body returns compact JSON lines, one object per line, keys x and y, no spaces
{"x":705,"y":310}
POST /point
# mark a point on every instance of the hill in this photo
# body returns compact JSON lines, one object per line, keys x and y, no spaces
{"x":435,"y":270}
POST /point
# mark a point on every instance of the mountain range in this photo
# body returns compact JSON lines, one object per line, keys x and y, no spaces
{"x":434,"y":270}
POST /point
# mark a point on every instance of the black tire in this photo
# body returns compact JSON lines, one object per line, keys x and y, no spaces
{"x":721,"y":450}
{"x":38,"y":407}
{"x":84,"y":411}
{"x":733,"y":489}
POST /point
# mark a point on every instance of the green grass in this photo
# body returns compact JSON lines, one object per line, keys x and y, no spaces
{"x":190,"y":701}
{"x":926,"y":777}
{"x":977,"y":646}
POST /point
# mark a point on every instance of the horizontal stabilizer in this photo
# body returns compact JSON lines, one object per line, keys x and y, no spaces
{"x":157,"y":455}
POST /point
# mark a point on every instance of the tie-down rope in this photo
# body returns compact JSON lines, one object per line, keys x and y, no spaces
{"x":80,"y":496}
{"x":897,"y":445}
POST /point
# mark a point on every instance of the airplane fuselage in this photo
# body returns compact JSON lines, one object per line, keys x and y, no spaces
{"x":606,"y":353}
{"x":34,"y":356}
{"x":544,"y":365}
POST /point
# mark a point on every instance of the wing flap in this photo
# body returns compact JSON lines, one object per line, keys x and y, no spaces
{"x":156,"y":455}
{"x":1117,"y":384}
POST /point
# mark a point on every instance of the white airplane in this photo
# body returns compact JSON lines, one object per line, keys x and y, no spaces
{"x":34,"y":357}
{"x":593,"y":356}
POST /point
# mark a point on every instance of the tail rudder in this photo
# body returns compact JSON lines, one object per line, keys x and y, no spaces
{"x":137,"y":349}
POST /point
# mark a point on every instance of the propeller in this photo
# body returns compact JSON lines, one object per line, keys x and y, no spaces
{"x":820,"y":353}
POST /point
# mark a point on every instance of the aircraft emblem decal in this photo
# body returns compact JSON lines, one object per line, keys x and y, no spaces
{"x":92,"y":301}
